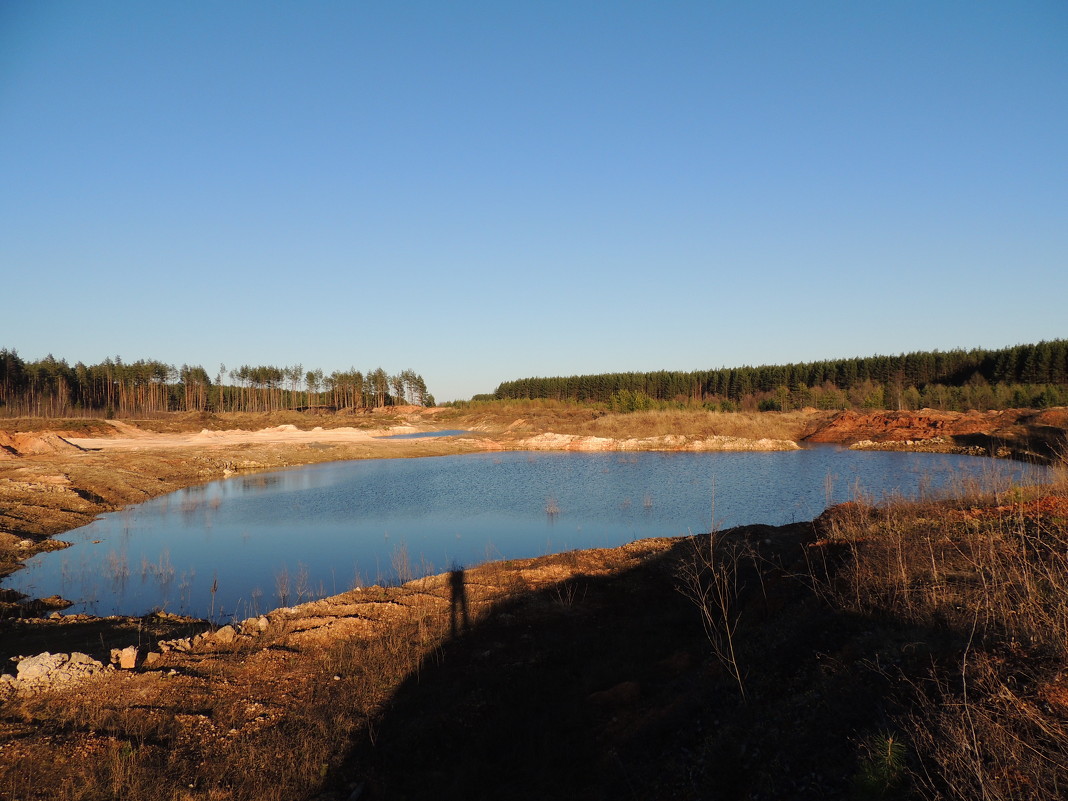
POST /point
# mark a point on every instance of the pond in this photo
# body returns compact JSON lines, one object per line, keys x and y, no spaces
{"x":451,"y":432}
{"x":245,"y":545}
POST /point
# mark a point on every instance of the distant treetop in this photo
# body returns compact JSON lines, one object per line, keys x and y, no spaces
{"x":1020,"y":376}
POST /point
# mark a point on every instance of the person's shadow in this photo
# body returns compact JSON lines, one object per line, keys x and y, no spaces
{"x":458,"y":602}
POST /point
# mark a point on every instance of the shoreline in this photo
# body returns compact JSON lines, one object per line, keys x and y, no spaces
{"x":53,"y":481}
{"x":594,"y":651}
{"x":63,"y":482}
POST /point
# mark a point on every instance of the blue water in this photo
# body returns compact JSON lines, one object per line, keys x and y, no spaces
{"x":273,"y":539}
{"x":452,"y":432}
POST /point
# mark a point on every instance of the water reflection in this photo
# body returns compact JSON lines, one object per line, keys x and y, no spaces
{"x":261,"y":481}
{"x":452,"y":432}
{"x":282,"y":538}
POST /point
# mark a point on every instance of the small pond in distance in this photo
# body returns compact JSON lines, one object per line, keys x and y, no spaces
{"x":452,"y":432}
{"x":272,"y":539}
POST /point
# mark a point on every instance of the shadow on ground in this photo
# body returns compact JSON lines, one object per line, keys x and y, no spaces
{"x":604,"y":687}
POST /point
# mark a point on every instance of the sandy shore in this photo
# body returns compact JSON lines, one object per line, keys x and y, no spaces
{"x":130,"y":438}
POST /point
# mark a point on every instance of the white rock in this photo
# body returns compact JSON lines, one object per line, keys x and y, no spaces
{"x":128,"y":658}
{"x":45,"y":671}
{"x":33,"y":668}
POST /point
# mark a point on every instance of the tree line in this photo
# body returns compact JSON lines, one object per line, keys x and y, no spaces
{"x":1022,"y":376}
{"x":51,"y":387}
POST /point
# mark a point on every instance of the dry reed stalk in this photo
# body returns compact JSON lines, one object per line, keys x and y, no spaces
{"x":709,"y":578}
{"x":988,"y":565}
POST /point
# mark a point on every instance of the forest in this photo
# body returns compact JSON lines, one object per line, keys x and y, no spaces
{"x":113,"y":388}
{"x":1022,"y":376}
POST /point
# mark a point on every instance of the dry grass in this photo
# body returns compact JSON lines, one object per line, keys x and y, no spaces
{"x":81,"y":427}
{"x":710,"y":578}
{"x":995,"y":562}
{"x":179,"y":422}
{"x":700,"y":424}
{"x":981,"y":582}
{"x":536,"y":416}
{"x":530,"y":416}
{"x":191,"y":422}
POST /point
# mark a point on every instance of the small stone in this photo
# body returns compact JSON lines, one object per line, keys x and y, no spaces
{"x":225,"y":635}
{"x":152,"y":657}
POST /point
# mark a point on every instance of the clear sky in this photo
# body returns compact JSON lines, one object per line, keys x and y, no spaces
{"x":483,"y":191}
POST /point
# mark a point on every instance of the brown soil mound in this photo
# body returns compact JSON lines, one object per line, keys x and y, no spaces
{"x":848,"y":426}
{"x":1020,"y":433}
{"x":1051,"y":417}
{"x":15,"y":445}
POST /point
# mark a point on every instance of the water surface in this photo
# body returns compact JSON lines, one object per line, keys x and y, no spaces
{"x":451,"y":432}
{"x":249,"y":544}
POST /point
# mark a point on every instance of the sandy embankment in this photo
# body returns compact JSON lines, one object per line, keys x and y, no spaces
{"x":131,"y":438}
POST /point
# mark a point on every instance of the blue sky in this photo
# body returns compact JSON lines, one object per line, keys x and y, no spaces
{"x":483,"y":191}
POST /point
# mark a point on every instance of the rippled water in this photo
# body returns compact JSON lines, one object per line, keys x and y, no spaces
{"x":273,"y":539}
